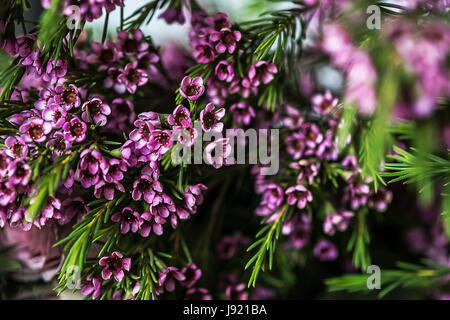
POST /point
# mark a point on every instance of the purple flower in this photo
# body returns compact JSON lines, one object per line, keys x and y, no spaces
{"x":168,"y":276}
{"x":129,"y":219}
{"x":19,"y":172}
{"x":236,"y":292}
{"x":151,"y":169}
{"x":73,"y":207}
{"x":312,"y":135}
{"x":51,"y":212}
{"x":172,"y":15}
{"x":350,"y":163}
{"x":35,"y":129}
{"x":55,"y":115}
{"x":380,"y":200}
{"x":107,"y":188}
{"x":111,"y":80}
{"x":218,"y":153}
{"x":204,"y":52}
{"x":18,"y":149}
{"x":135,"y":44}
{"x":299,"y":230}
{"x":295,"y":145}
{"x":91,"y":285}
{"x":147,"y":187}
{"x":114,"y":265}
{"x":194,"y":196}
{"x":75,"y":130}
{"x":113,"y":169}
{"x":132,"y":77}
{"x":308,"y":170}
{"x":160,"y":143}
{"x":162,"y":205}
{"x":58,"y":144}
{"x":104,"y":55}
{"x":226,"y":40}
{"x":67,"y":96}
{"x":149,"y":223}
{"x":180,"y":117}
{"x":91,"y":160}
{"x":273,"y":196}
{"x":86,"y":178}
{"x":229,"y":245}
{"x":146,"y":62}
{"x":97,"y":110}
{"x":262,"y":70}
{"x":142,"y":134}
{"x":198,"y":294}
{"x":55,"y":71}
{"x":323,"y":104}
{"x":219,"y":21}
{"x":25,"y":45}
{"x":191,"y":274}
{"x":186,"y":135}
{"x":325,"y":250}
{"x":210,"y":118}
{"x":327,"y":150}
{"x":298,"y":194}
{"x":225,"y":71}
{"x":124,"y":115}
{"x":242,"y":112}
{"x":357,"y":193}
{"x":7,"y":192}
{"x":192,"y":90}
{"x":337,"y":221}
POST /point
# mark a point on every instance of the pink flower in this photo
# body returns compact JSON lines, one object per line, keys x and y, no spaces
{"x":180,"y":117}
{"x":97,"y":110}
{"x":91,"y":285}
{"x":222,"y":151}
{"x":337,"y":221}
{"x":225,"y":71}
{"x":168,"y":276}
{"x":192,"y":90}
{"x":323,"y":104}
{"x":132,"y":77}
{"x":74,"y":130}
{"x":298,"y":194}
{"x":114,"y":265}
{"x":210,"y":119}
{"x":226,"y":39}
{"x":242,"y":112}
{"x":35,"y":129}
{"x":129,"y":219}
{"x":326,"y":251}
{"x":262,"y":70}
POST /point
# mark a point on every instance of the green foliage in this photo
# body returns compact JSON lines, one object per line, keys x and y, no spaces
{"x":359,"y":242}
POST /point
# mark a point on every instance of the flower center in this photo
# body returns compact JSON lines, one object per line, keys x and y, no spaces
{"x":18,"y":149}
{"x":106,"y":56}
{"x":76,"y":129}
{"x":209,"y":119}
{"x":115,"y":264}
{"x":69,"y":96}
{"x":192,"y":90}
{"x":133,"y":75}
{"x":36,"y":131}
{"x":130,"y":46}
{"x":94,"y":107}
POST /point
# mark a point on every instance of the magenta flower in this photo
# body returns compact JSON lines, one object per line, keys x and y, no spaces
{"x":225,"y":71}
{"x":75,"y":130}
{"x":86,"y":178}
{"x":35,"y":129}
{"x":91,"y":285}
{"x":180,"y":117}
{"x":104,"y":55}
{"x":142,"y":134}
{"x":308,"y":170}
{"x":380,"y":200}
{"x":323,"y":104}
{"x":151,"y":169}
{"x":73,"y":208}
{"x":132,"y":77}
{"x":5,"y":160}
{"x":194,"y":196}
{"x":51,"y":212}
{"x":312,"y":135}
{"x":58,"y":143}
{"x":107,"y":189}
{"x":204,"y":52}
{"x":7,"y":192}
{"x":162,"y":205}
{"x":168,"y":276}
{"x":326,"y":250}
{"x":185,"y":135}
{"x":91,"y":160}
{"x":172,"y":15}
{"x":124,"y":115}
{"x":327,"y":150}
{"x":18,"y":149}
{"x":337,"y":221}
{"x":54,"y":72}
{"x":192,"y":90}
{"x":236,"y":292}
{"x":350,"y":163}
{"x":210,"y":118}
{"x":146,"y":62}
{"x":230,"y":244}
{"x":132,"y":45}
{"x":55,"y":115}
{"x":262,"y":70}
{"x":299,"y":230}
{"x":226,"y":40}
{"x":114,"y":265}
{"x":146,"y":187}
{"x":19,"y":172}
{"x":111,"y":80}
{"x":298,"y":194}
{"x":67,"y":96}
{"x":242,"y":112}
{"x":295,"y":145}
{"x":191,"y":274}
{"x":198,"y":294}
{"x":25,"y":45}
{"x":218,"y":22}
{"x":149,"y":223}
{"x":160,"y":143}
{"x":129,"y":219}
{"x":219,"y":153}
{"x":113,"y":169}
{"x":97,"y":110}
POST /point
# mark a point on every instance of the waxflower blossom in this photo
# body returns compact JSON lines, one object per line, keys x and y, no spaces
{"x":162,"y":205}
{"x":294,"y":118}
{"x":180,"y":116}
{"x":129,"y":220}
{"x":194,"y":196}
{"x":192,"y":90}
{"x":55,"y":115}
{"x":105,"y":54}
{"x":67,"y":96}
{"x":186,"y":135}
{"x":242,"y":112}
{"x":262,"y":71}
{"x":236,"y":292}
{"x":58,"y":144}
{"x":323,"y":104}
{"x":298,"y":194}
{"x":91,"y":160}
{"x":74,"y":130}
{"x":130,"y":46}
{"x":124,"y":115}
{"x":337,"y":221}
{"x":151,"y":223}
{"x":172,"y":15}
{"x":55,"y":71}
{"x":218,"y":153}
{"x":224,"y":71}
{"x":210,"y":118}
{"x":312,"y":135}
{"x":19,"y":172}
{"x":113,"y":169}
{"x":35,"y":129}
{"x":7,"y":192}
{"x":168,"y":276}
{"x":326,"y":251}
{"x":226,"y":40}
{"x":107,"y":189}
{"x":146,"y":187}
{"x":380,"y":200}
{"x":230,"y":244}
{"x":204,"y":52}
{"x":132,"y":77}
{"x":73,"y":208}
{"x":160,"y":143}
{"x":299,"y":229}
{"x":308,"y":170}
{"x":219,"y":21}
{"x":191,"y":274}
{"x":18,"y":149}
{"x":295,"y":145}
{"x":114,"y":265}
{"x":97,"y":110}
{"x":91,"y":285}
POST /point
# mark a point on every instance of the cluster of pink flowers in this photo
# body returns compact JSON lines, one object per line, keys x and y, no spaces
{"x":88,"y":10}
